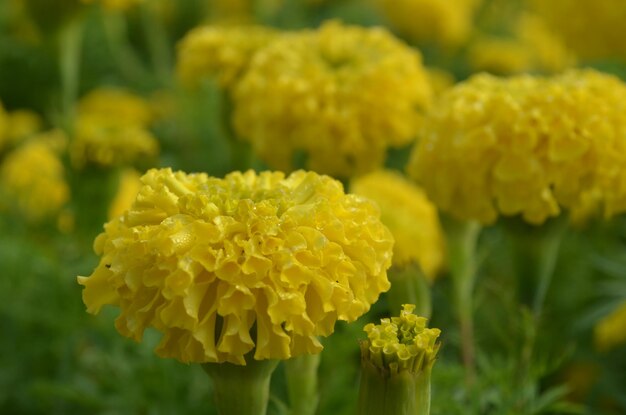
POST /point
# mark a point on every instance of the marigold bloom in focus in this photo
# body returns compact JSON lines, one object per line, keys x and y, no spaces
{"x":111,"y":129}
{"x":409,"y":215}
{"x":447,"y":23}
{"x":32,"y":176}
{"x":611,"y":330}
{"x":219,"y":52}
{"x":207,"y":260}
{"x":341,"y":95}
{"x":525,"y":145}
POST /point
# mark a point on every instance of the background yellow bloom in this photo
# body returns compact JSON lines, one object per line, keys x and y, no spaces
{"x":341,"y":95}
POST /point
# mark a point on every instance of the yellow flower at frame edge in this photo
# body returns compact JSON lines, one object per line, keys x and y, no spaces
{"x":594,"y":30}
{"x":112,"y":129}
{"x":33,"y":177}
{"x":409,"y":215}
{"x":447,"y":23}
{"x":220,"y":52}
{"x":525,"y":145}
{"x":340,"y":94}
{"x":204,"y":260}
{"x":611,"y":330}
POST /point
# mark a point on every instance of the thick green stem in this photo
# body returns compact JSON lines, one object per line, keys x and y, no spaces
{"x":241,"y":390}
{"x":409,"y":286}
{"x":402,"y":393}
{"x":70,"y":38}
{"x":301,"y":374}
{"x":535,"y":250}
{"x":158,"y":44}
{"x":461,"y":239}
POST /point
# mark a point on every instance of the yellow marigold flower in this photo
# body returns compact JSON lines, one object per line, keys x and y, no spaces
{"x":115,"y":5}
{"x":409,"y":215}
{"x":532,"y":47}
{"x":111,"y":129}
{"x":525,"y":145}
{"x":116,"y":105}
{"x":32,"y":176}
{"x":447,"y":23}
{"x":611,"y":330}
{"x":341,"y":95}
{"x":440,"y":80}
{"x":22,"y":124}
{"x":401,"y":343}
{"x":594,"y":30}
{"x":219,"y":52}
{"x":196,"y":254}
{"x":129,"y":185}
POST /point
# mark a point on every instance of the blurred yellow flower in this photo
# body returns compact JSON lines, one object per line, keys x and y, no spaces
{"x":115,"y":5}
{"x":32,"y":178}
{"x":401,"y":343}
{"x":525,"y":145}
{"x":611,"y":330}
{"x":128,"y":188}
{"x":531,"y":47}
{"x":594,"y":30}
{"x":341,"y":95}
{"x":112,"y":129}
{"x":219,"y":52}
{"x":409,"y":215}
{"x":447,"y":23}
{"x":22,"y":124}
{"x":204,"y":260}
{"x":440,"y":80}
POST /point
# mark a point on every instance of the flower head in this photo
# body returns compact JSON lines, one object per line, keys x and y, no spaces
{"x":409,"y":215}
{"x":219,"y":52}
{"x":22,"y":124}
{"x":33,"y":177}
{"x":447,"y":23}
{"x":526,"y":146}
{"x":341,"y":95}
{"x":223,"y":267}
{"x":111,"y":129}
{"x":611,"y":330}
{"x":401,"y":343}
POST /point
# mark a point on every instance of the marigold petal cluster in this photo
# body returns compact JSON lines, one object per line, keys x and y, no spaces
{"x":220,"y":52}
{"x":339,"y":96}
{"x":112,"y":129}
{"x":409,"y":215}
{"x":611,"y":330}
{"x":447,"y":23}
{"x":401,"y":343}
{"x":525,"y":145}
{"x":594,"y":30}
{"x":249,"y":263}
{"x":33,"y":177}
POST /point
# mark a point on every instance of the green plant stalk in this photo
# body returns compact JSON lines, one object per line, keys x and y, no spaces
{"x":402,"y":393}
{"x":461,"y":240}
{"x":241,"y":390}
{"x":158,"y":44}
{"x":70,"y":39}
{"x":409,"y":286}
{"x":301,"y":375}
{"x":241,"y":154}
{"x":115,"y":31}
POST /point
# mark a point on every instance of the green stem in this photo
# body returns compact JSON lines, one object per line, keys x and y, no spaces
{"x":536,"y":249}
{"x":127,"y":60}
{"x":70,"y":38}
{"x":241,"y":154}
{"x":461,"y":239}
{"x":158,"y":44}
{"x":409,"y":286}
{"x":241,"y":390}
{"x":401,"y":393}
{"x":301,"y":374}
